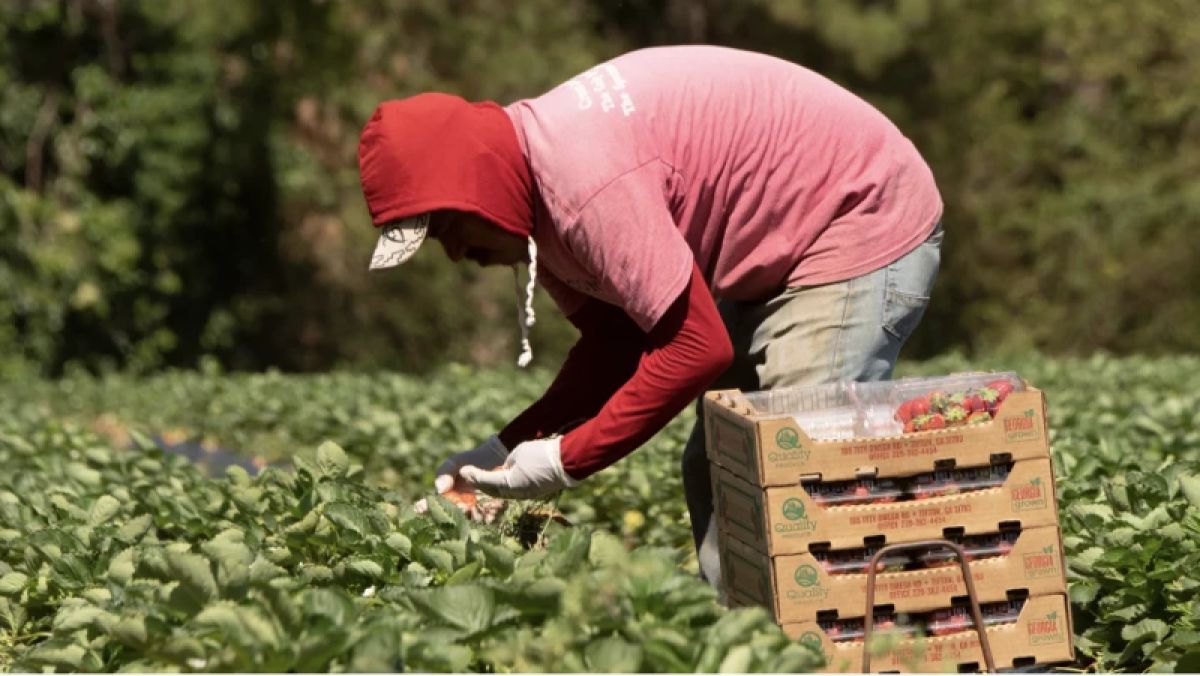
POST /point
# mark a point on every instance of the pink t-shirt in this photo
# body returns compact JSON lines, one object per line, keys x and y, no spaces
{"x":764,"y":173}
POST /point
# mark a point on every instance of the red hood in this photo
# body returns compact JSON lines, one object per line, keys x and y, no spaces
{"x":438,"y":151}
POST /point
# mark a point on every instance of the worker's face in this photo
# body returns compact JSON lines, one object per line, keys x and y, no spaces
{"x":465,"y":235}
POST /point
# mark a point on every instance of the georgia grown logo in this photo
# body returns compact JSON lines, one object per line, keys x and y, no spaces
{"x":1041,"y":564}
{"x":807,"y":578}
{"x":1046,"y":630}
{"x":796,"y":514}
{"x":1027,"y":496}
{"x":1021,"y":427}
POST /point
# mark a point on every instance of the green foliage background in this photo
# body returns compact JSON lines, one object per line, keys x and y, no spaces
{"x":324,"y":567}
{"x":178,"y":183}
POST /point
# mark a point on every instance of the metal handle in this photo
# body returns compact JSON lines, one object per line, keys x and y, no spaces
{"x":976,"y":613}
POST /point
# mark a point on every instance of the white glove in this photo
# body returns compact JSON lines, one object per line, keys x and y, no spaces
{"x":490,"y":454}
{"x":533,"y":470}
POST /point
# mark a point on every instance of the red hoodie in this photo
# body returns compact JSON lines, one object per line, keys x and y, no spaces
{"x":619,"y":385}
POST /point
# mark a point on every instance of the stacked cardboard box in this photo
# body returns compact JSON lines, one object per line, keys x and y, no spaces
{"x":808,"y":483}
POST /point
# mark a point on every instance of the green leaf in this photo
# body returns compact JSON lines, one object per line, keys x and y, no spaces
{"x":499,"y":559}
{"x":104,"y":508}
{"x":121,"y":568}
{"x":438,"y":558}
{"x":400,"y":543}
{"x":1156,"y":629}
{"x":237,"y":475}
{"x":332,"y":461}
{"x":134,"y":528}
{"x":443,"y":512}
{"x":347,"y":517}
{"x":1189,"y":663}
{"x":737,"y":660}
{"x":13,"y":583}
{"x":258,"y":627}
{"x":13,"y":615}
{"x":332,"y":604}
{"x":83,"y":474}
{"x":315,"y":650}
{"x":607,"y":550}
{"x":366,"y":568}
{"x":306,"y":525}
{"x":468,"y":607}
{"x":223,"y":616}
{"x":58,"y":653}
{"x":263,"y":571}
{"x":74,"y":617}
{"x":612,"y":655}
{"x":380,"y":648}
{"x":465,"y":574}
{"x":1190,"y":486}
{"x":131,"y":631}
{"x":194,"y":574}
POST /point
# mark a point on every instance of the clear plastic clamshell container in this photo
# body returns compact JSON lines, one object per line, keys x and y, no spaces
{"x":953,"y":481}
{"x":854,"y":492}
{"x":958,"y":618}
{"x":846,"y":410}
{"x":975,"y":547}
{"x":855,"y":561}
{"x":936,"y":623}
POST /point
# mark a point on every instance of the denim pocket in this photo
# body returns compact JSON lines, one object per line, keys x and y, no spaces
{"x":908,"y":284}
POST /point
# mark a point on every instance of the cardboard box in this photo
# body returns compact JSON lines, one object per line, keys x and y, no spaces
{"x":795,"y":588}
{"x":1042,"y":634}
{"x":773,"y":450}
{"x":785,"y":519}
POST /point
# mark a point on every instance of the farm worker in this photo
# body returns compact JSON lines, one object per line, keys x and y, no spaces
{"x":706,"y":217}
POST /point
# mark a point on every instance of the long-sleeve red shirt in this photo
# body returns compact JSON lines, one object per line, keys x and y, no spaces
{"x":620,"y":385}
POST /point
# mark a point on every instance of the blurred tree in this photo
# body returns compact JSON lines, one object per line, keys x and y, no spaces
{"x":179,"y":179}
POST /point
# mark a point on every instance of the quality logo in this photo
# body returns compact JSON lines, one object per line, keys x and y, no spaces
{"x":806,"y":577}
{"x":789,"y":451}
{"x":787,"y":438}
{"x":794,"y":511}
{"x":810,"y":639}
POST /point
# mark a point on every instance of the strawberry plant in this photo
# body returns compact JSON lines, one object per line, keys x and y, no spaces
{"x":114,"y":555}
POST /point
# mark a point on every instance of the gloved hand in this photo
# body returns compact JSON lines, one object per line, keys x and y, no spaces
{"x":489,"y":455}
{"x":533,"y":470}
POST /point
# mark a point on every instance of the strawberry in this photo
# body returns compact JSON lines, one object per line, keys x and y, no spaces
{"x":904,"y":412}
{"x":1002,"y":387}
{"x":978,"y":417}
{"x":938,"y":400}
{"x":973,"y":402}
{"x":910,"y":426}
{"x":918,"y":406}
{"x":464,"y":500}
{"x":935,"y":422}
{"x":955,"y":415}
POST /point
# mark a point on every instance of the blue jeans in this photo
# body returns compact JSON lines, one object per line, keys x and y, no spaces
{"x":851,"y":330}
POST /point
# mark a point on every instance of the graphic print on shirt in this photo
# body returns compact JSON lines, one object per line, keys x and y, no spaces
{"x":607,"y":85}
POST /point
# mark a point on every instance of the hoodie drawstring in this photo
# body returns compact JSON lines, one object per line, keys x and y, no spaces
{"x":525,"y":304}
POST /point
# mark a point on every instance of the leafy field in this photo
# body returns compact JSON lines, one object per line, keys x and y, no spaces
{"x":124,"y":558}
